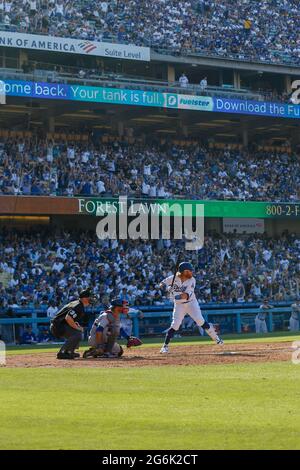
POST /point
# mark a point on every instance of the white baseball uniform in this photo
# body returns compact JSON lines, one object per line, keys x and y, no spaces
{"x":294,"y":319}
{"x":260,"y":319}
{"x":182,"y":306}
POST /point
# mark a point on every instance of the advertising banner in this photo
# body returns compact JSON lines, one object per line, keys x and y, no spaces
{"x":243,"y":225}
{"x":73,"y":46}
{"x":123,"y":96}
{"x":98,"y":206}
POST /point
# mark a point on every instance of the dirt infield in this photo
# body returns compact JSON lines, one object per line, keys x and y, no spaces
{"x":178,"y":356}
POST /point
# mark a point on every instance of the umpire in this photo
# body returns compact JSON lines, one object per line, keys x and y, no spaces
{"x":67,"y":324}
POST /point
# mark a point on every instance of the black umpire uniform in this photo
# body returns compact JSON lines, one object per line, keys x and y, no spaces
{"x":74,"y":313}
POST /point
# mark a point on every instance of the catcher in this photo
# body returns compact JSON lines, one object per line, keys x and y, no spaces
{"x":105,"y":331}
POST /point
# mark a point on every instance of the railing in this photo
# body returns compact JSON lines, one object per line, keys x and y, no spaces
{"x":119,"y":81}
{"x":278,"y":57}
{"x":212,"y":313}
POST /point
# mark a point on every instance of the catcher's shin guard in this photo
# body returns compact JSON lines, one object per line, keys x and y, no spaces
{"x":111,"y":340}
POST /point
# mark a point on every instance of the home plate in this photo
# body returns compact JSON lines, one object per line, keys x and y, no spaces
{"x":238,"y":353}
{"x":228,"y":353}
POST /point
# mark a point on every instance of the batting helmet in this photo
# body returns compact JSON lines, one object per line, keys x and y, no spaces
{"x":116,"y":303}
{"x":183,"y":266}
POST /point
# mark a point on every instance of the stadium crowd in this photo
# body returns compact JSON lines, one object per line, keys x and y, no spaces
{"x":262,"y":30}
{"x":37,"y":167}
{"x":46,"y":269}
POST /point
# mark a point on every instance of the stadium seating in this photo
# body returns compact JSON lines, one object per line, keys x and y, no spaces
{"x":45,"y":266}
{"x":245,"y":30}
{"x":68,"y":165}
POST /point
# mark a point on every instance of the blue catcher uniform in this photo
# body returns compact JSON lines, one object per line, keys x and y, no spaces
{"x":105,"y":331}
{"x":110,"y":327}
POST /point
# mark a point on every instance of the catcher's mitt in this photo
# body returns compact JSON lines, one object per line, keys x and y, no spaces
{"x":133,"y":341}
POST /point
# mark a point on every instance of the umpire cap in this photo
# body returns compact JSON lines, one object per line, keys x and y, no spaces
{"x":85,"y":293}
{"x":183,"y":266}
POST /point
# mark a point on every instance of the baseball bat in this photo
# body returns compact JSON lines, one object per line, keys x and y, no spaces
{"x":176,"y":268}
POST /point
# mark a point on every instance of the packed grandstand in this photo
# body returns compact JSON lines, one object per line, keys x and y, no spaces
{"x":47,"y":268}
{"x":264,"y":31}
{"x":62,"y":149}
{"x":164,"y":170}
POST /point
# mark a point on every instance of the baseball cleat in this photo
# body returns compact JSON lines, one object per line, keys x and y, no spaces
{"x":75,"y":355}
{"x":164,"y":350}
{"x":219,"y":342}
{"x":65,"y":355}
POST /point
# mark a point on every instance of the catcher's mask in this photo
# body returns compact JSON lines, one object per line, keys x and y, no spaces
{"x":93,"y":299}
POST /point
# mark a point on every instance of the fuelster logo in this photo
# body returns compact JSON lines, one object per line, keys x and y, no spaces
{"x":196,"y":103}
{"x":172,"y":101}
{"x":87,"y":46}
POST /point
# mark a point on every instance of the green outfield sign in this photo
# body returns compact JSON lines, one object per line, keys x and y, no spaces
{"x":183,"y":207}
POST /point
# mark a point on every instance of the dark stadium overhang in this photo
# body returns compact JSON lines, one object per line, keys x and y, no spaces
{"x":22,"y":114}
{"x":219,"y":63}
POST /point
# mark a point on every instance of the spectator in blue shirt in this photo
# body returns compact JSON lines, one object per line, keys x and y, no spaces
{"x":28,"y":337}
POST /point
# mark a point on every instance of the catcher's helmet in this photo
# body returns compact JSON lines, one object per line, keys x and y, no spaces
{"x":183,"y":266}
{"x":118,"y":303}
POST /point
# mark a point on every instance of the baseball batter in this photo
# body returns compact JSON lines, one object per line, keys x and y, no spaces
{"x":294,"y":319}
{"x":185,"y":302}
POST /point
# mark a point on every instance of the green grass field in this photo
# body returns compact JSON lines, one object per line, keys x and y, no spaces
{"x":245,"y":406}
